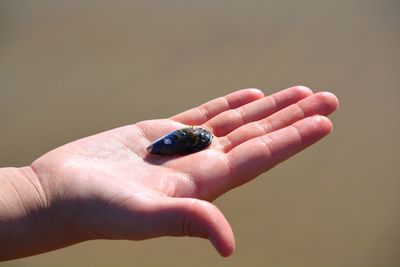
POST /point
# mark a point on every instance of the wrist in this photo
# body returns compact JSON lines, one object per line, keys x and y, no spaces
{"x":22,"y":190}
{"x":27,"y":222}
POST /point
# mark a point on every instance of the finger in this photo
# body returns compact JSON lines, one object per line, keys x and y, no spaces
{"x":322,"y":103}
{"x":260,"y":154}
{"x":229,"y":120}
{"x":193,"y":217}
{"x":206,"y":111}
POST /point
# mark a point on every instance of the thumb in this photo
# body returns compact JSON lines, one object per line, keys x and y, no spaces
{"x":194,"y":217}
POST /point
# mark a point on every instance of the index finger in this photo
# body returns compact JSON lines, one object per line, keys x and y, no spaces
{"x":257,"y":155}
{"x":210,"y":109}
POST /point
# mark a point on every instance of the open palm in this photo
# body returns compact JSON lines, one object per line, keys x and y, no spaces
{"x":109,"y":186}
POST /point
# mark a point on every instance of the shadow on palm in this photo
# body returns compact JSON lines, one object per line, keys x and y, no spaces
{"x":199,"y":171}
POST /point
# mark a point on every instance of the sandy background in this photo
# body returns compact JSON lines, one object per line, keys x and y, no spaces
{"x":69,"y":69}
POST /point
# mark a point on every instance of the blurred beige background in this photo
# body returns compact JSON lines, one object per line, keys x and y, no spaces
{"x":69,"y":69}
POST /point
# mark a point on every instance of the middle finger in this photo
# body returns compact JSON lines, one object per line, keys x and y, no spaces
{"x":322,"y":103}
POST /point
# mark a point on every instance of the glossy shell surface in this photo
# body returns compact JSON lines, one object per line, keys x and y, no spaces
{"x":182,"y":141}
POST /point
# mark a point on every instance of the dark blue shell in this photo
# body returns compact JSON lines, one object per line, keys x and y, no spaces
{"x":183,"y":141}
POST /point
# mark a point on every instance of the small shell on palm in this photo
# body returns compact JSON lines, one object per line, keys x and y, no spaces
{"x":183,"y":141}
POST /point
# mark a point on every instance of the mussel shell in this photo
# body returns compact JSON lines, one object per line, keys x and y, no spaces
{"x":182,"y":141}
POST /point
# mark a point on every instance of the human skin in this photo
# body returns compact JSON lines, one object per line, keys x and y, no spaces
{"x":107,"y":186}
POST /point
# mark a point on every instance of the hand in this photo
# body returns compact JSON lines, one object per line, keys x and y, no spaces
{"x":107,"y":186}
